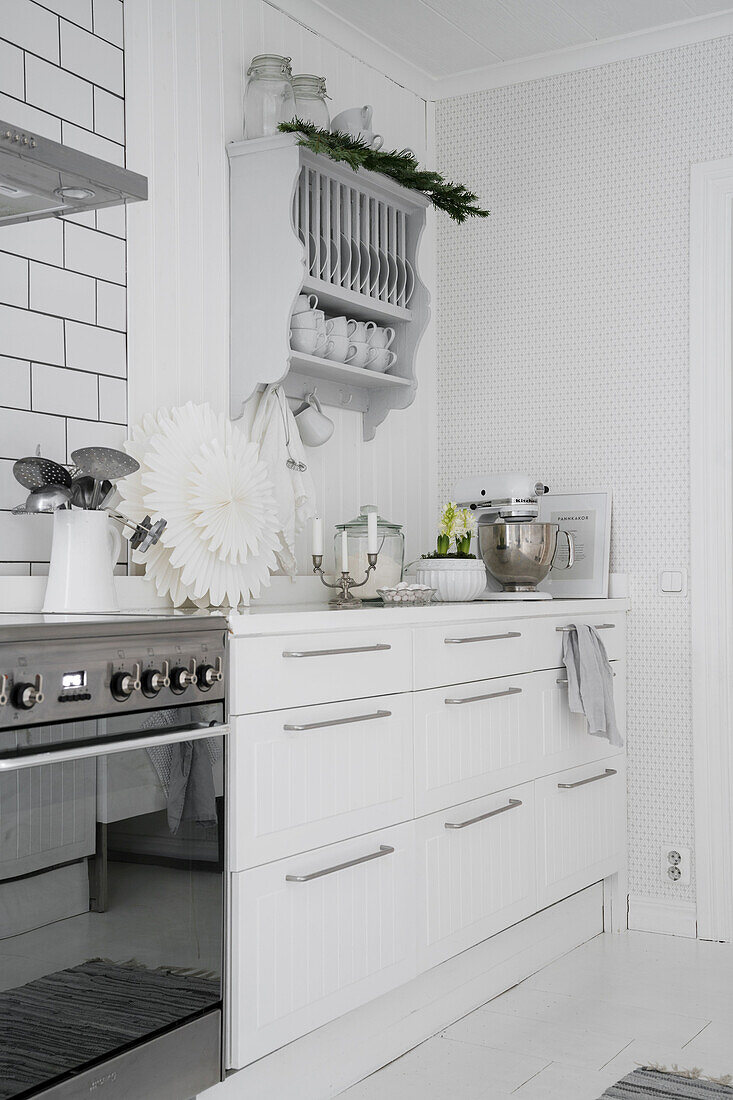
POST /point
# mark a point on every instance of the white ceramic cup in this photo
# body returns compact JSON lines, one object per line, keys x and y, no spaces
{"x":353,"y":120}
{"x":314,"y":426}
{"x":382,"y":360}
{"x":305,"y":302}
{"x":362,"y":331}
{"x":312,"y":318}
{"x":341,"y":326}
{"x":382,"y":337}
{"x":340,"y":348}
{"x":363,"y":355}
{"x":309,"y":341}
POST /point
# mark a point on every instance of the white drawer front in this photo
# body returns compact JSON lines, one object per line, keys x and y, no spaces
{"x":301,"y":669}
{"x":316,"y":775}
{"x":565,"y":740}
{"x":304,"y":952}
{"x":480,"y":651}
{"x":475,"y":739}
{"x":581,"y":824}
{"x":477,"y":878}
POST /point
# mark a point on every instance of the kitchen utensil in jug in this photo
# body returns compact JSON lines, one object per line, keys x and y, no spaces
{"x":103,"y":464}
{"x":36,"y":472}
{"x":45,"y":500}
{"x":520,"y":555}
{"x":84,"y":551}
{"x":314,"y":426}
{"x":83,"y":490}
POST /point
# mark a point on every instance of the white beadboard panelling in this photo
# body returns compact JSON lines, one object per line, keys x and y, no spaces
{"x":112,"y":400}
{"x":95,"y":253}
{"x":108,"y":20}
{"x":31,"y":27}
{"x":25,"y":538}
{"x":27,"y":335}
{"x":59,"y":92}
{"x":100,"y":350}
{"x":11,"y":67}
{"x":91,"y":57}
{"x":38,"y":122}
{"x":64,"y":392}
{"x":21,"y":432}
{"x":111,"y":305}
{"x":109,"y":112}
{"x":42,"y":240}
{"x":65,"y":293}
{"x":87,"y":433}
{"x":13,"y":280}
{"x":15,"y":379}
{"x":92,"y":144}
{"x":77,"y":11}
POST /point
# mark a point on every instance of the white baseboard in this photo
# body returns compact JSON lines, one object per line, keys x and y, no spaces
{"x":671,"y":918}
{"x":337,"y":1055}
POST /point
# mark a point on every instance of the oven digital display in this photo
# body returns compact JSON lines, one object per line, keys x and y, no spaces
{"x":74,"y":680}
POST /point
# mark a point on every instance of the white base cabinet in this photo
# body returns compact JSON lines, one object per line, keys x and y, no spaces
{"x":399,"y":795}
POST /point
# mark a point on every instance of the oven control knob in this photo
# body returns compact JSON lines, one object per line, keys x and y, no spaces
{"x":208,"y":675}
{"x":154,"y":680}
{"x":182,"y":677}
{"x":125,"y":683}
{"x":26,"y":696}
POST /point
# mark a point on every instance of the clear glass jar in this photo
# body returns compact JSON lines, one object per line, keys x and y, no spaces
{"x":310,"y":100}
{"x":391,"y":547}
{"x":268,"y":97}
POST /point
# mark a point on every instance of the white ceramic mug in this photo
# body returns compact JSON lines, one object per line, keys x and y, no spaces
{"x":341,"y":326}
{"x":382,"y":337}
{"x":382,"y":360}
{"x":309,"y":319}
{"x":314,"y":426}
{"x":353,"y":120}
{"x":362,"y":331}
{"x":340,"y":348}
{"x":305,"y":302}
{"x":363,"y":355}
{"x":84,"y":551}
{"x":308,"y":341}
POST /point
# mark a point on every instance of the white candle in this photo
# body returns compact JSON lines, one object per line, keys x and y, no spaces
{"x":371,"y":532}
{"x":317,"y":537}
{"x":344,"y":553}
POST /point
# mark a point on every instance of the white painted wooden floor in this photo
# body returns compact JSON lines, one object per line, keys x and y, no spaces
{"x":577,"y":1026}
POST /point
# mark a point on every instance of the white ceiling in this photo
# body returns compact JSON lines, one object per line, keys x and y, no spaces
{"x":442,"y":41}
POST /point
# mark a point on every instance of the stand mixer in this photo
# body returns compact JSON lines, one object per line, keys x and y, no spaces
{"x":517,"y":550}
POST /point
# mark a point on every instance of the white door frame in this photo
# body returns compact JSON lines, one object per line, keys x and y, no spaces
{"x":711,"y":540}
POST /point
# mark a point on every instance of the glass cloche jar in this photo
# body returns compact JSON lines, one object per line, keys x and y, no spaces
{"x":391,"y":547}
{"x":268,"y":97}
{"x":310,"y":100}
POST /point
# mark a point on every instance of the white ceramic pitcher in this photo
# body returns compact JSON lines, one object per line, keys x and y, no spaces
{"x":84,"y":551}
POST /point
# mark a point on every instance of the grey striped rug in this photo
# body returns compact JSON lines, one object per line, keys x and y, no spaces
{"x":65,"y":1020}
{"x":652,"y":1084}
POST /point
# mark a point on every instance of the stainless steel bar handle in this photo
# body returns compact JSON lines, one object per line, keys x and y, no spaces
{"x":582,"y":782}
{"x":480,"y":698}
{"x":384,"y":850}
{"x":106,"y":748}
{"x":511,"y":805}
{"x":334,"y":652}
{"x":599,"y":626}
{"x":483,"y":638}
{"x":291,"y":727}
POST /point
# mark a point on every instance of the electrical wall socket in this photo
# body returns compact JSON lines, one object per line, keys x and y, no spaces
{"x":675,"y":864}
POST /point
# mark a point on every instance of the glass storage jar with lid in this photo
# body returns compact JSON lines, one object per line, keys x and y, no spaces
{"x":310,"y":100}
{"x":268,"y":97}
{"x":391,"y":547}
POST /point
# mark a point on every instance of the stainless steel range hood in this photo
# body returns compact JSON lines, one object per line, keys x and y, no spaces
{"x":40,"y":178}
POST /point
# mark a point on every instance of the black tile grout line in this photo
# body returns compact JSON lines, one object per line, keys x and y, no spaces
{"x":60,"y":118}
{"x":61,"y":317}
{"x":86,"y":130}
{"x":61,"y":366}
{"x":57,"y":65}
{"x":93,"y":229}
{"x":74,"y":23}
{"x":56,"y":416}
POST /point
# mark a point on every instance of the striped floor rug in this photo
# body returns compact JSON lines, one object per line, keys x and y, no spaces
{"x":652,"y":1084}
{"x":65,"y":1020}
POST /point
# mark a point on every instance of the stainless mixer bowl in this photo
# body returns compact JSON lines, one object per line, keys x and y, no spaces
{"x":518,"y":555}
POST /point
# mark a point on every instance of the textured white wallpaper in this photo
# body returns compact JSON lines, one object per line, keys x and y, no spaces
{"x":563,"y":347}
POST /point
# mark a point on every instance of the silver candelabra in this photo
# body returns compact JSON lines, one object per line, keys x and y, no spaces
{"x":344,"y":600}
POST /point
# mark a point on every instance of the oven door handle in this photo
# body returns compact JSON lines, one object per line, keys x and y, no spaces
{"x":106,"y":748}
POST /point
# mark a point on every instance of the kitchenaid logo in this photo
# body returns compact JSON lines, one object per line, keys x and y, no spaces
{"x":99,"y":1081}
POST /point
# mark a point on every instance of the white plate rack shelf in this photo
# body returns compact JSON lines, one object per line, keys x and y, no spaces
{"x":301,"y":223}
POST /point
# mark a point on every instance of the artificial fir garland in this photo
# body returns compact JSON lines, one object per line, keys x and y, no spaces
{"x":456,"y":200}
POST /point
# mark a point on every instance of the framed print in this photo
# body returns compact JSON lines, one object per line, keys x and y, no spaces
{"x":586,"y":516}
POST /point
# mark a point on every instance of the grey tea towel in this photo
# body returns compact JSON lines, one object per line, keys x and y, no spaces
{"x":590,"y":681}
{"x":191,"y":795}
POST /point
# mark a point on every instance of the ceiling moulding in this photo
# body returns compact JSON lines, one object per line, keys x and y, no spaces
{"x":588,"y":56}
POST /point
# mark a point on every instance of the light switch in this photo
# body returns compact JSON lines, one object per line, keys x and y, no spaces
{"x":673,"y":582}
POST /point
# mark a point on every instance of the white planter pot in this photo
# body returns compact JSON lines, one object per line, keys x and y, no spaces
{"x":455,"y":580}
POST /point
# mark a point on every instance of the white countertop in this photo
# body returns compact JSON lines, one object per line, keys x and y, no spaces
{"x":319,"y":617}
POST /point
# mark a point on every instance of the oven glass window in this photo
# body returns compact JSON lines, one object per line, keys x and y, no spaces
{"x":111,"y":895}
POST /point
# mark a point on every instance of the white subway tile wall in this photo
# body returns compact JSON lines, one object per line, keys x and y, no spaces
{"x":63,"y":296}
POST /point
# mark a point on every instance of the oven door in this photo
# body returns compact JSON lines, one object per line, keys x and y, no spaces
{"x":112,"y":905}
